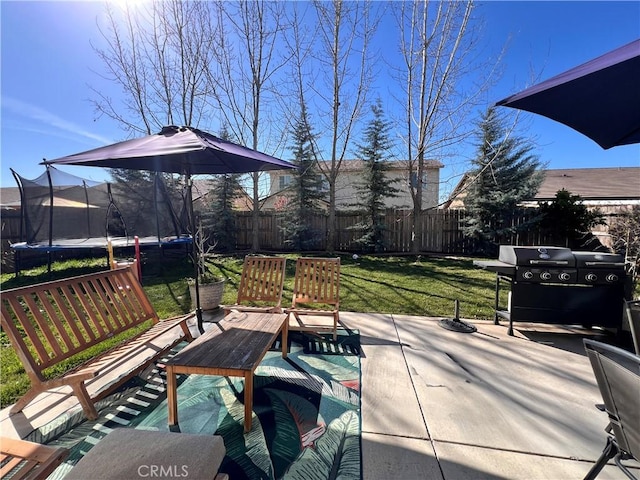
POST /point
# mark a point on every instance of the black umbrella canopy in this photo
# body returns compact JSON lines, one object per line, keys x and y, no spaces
{"x":182,"y":150}
{"x":600,"y":99}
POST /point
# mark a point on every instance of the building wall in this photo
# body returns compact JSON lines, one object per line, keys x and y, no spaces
{"x":347,"y":193}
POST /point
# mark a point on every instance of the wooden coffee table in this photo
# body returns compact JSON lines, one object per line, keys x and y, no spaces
{"x":234,"y":347}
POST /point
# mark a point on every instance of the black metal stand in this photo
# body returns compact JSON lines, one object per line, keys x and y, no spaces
{"x":455,"y":324}
{"x":196,"y":254}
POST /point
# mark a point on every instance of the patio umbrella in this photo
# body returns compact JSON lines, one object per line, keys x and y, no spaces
{"x":183,"y":150}
{"x":600,"y":99}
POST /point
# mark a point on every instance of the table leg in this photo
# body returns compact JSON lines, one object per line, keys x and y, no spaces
{"x":172,"y":394}
{"x":285,"y":337}
{"x":248,"y":400}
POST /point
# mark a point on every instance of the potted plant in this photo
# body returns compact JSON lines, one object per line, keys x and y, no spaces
{"x":211,"y":287}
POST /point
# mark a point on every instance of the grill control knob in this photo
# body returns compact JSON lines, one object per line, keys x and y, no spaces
{"x":612,"y":277}
{"x":545,"y":276}
{"x":528,"y":274}
{"x":564,"y":276}
{"x":591,"y":277}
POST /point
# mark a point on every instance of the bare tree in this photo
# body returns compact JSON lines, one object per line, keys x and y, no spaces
{"x":345,"y":31}
{"x":158,"y":53}
{"x":436,"y":45}
{"x":245,"y":86}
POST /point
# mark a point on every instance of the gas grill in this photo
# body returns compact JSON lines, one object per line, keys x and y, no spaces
{"x":558,"y":286}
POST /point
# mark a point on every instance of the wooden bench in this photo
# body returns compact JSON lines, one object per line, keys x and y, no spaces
{"x":50,"y":322}
{"x":22,"y":460}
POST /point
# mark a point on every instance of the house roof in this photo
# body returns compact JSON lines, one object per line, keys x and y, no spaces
{"x":201,"y":187}
{"x":592,"y":183}
{"x":10,"y":196}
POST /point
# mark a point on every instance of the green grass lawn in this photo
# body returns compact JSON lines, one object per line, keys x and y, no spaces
{"x":408,"y":285}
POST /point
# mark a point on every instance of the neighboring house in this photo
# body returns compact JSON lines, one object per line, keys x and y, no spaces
{"x":608,"y":189}
{"x":611,"y":190}
{"x":9,"y":197}
{"x":201,"y":190}
{"x":350,"y":175}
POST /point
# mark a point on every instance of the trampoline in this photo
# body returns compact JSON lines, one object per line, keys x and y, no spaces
{"x":100,"y":242}
{"x":60,"y":211}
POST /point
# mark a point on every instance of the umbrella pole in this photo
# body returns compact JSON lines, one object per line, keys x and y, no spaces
{"x":196,"y":254}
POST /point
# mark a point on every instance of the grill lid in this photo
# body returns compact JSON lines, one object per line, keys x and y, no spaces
{"x":537,"y":256}
{"x":593,"y":260}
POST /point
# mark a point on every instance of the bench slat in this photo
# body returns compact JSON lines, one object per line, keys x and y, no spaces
{"x":78,"y":311}
{"x":117,"y":297}
{"x":19,"y":312}
{"x":89,"y":308}
{"x":120,"y":288}
{"x":44,"y":328}
{"x":139,"y":302}
{"x":100,"y":315}
{"x":63,"y":307}
{"x":48,"y":303}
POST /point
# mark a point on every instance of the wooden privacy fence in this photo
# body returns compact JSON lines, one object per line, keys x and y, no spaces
{"x":441,"y":231}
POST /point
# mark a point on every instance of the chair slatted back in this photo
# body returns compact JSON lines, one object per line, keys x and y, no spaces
{"x":261,"y":281}
{"x":53,"y":321}
{"x":317,"y":280}
{"x":618,"y":375}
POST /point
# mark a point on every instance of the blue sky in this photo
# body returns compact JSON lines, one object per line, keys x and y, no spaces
{"x":48,"y":64}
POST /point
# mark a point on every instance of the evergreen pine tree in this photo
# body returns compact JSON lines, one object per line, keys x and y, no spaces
{"x":376,"y":186}
{"x":305,"y":191}
{"x":567,"y":222}
{"x":219,"y":219}
{"x":505,"y":174}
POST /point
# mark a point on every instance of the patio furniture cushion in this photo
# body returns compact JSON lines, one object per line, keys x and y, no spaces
{"x":129,"y":453}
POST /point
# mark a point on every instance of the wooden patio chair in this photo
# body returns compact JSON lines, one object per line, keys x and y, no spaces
{"x":316,"y":293}
{"x":24,"y":460}
{"x":260,"y":287}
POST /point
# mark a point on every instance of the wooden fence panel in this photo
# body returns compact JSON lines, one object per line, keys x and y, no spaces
{"x":441,"y":231}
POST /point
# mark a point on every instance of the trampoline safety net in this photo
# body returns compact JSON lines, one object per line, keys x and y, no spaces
{"x":60,"y":210}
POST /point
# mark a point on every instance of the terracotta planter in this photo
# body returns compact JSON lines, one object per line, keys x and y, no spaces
{"x":210,"y":295}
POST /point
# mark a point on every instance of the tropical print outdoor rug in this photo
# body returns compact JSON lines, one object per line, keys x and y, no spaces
{"x":306,"y":408}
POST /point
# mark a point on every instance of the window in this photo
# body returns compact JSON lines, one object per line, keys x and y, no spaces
{"x":284,"y":181}
{"x":414,"y":179}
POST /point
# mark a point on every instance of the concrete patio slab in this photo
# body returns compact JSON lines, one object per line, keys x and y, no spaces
{"x":452,"y":406}
{"x":385,"y":457}
{"x":464,"y":462}
{"x":503,"y":392}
